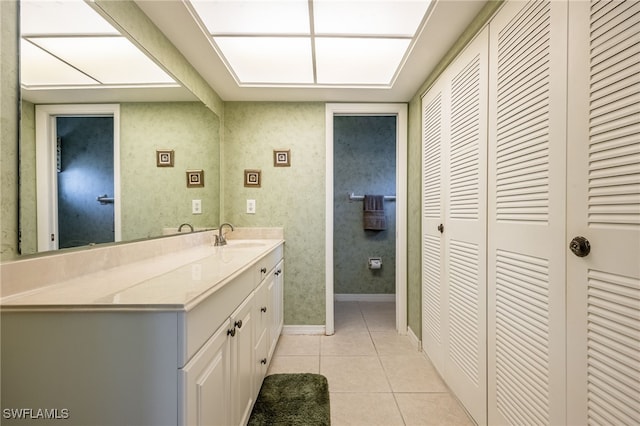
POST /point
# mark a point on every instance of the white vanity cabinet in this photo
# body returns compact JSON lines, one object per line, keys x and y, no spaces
{"x":157,"y":362}
{"x":221,"y":381}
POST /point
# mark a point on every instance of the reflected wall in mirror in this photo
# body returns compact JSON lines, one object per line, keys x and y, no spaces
{"x":149,"y":198}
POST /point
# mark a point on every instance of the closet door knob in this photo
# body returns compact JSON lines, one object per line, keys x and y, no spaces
{"x":263,"y":270}
{"x":263,"y":309}
{"x":231,"y":332}
{"x":238,"y":324}
{"x":263,"y":361}
{"x":580,"y":246}
{"x":441,"y":228}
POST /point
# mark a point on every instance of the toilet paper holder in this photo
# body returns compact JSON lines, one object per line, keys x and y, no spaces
{"x":375,"y":262}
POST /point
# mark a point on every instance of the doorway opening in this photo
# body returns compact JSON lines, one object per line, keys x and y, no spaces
{"x":78,"y":196}
{"x":398,"y":205}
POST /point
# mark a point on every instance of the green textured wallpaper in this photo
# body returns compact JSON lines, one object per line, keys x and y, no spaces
{"x":157,"y":197}
{"x":414,"y":221}
{"x":291,"y":197}
{"x":364,"y":150}
{"x":28,"y":219}
{"x":8,"y":130}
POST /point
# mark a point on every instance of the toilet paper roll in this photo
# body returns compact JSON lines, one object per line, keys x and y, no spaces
{"x":375,"y":264}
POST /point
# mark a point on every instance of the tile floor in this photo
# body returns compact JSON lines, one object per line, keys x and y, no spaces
{"x":376,"y":377}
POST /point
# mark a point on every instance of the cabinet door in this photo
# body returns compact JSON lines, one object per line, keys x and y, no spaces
{"x":526,"y":213}
{"x":603,"y":287}
{"x":206,"y":383}
{"x":242,"y":361}
{"x":262,"y":313}
{"x":276,"y":302}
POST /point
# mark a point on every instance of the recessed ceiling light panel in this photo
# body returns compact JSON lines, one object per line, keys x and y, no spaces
{"x":110,"y":60}
{"x":38,"y":68}
{"x":226,"y":17}
{"x":358,"y":61}
{"x":57,"y":17}
{"x":369,"y":17}
{"x":268,"y":60}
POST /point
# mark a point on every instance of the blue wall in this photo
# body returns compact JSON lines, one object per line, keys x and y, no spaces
{"x":87,"y":172}
{"x":364,"y":163}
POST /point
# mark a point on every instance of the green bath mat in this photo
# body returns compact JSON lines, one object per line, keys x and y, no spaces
{"x":292,"y":399}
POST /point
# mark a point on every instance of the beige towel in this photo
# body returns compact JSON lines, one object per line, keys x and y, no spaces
{"x":373,"y":216}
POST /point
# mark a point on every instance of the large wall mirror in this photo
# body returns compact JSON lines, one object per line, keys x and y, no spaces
{"x":106,"y":134}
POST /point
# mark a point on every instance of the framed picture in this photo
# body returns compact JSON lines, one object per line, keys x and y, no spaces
{"x":164,"y":158}
{"x":281,"y":158}
{"x":195,"y":178}
{"x":252,"y":178}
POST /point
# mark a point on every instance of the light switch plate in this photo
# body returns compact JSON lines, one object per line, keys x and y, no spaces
{"x":251,"y":206}
{"x":196,"y":206}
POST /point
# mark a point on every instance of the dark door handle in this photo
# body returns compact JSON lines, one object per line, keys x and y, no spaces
{"x":441,"y":228}
{"x":580,"y":246}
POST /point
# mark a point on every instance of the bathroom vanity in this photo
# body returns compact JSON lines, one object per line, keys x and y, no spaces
{"x":180,"y":337}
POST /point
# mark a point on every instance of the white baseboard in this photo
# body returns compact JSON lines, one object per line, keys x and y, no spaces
{"x":365,"y":297}
{"x":415,"y":342}
{"x":304,"y":329}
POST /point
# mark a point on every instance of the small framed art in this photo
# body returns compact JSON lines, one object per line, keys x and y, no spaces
{"x":195,"y":178}
{"x":281,"y":158}
{"x":252,"y":178}
{"x":164,"y":158}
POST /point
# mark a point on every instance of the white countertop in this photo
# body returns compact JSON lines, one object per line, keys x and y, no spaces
{"x":175,"y":281}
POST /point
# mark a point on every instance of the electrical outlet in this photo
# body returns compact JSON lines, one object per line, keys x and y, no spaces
{"x":196,"y":206}
{"x":251,"y":206}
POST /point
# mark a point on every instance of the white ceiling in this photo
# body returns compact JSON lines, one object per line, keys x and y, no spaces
{"x":404,"y":51}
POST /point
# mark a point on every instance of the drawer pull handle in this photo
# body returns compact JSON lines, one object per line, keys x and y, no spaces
{"x":263,"y":270}
{"x":263,"y":361}
{"x":238,"y":324}
{"x":231,"y":332}
{"x":263,"y":309}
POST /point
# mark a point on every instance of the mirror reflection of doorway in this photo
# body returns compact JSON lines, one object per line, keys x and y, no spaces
{"x":77,"y":175}
{"x":85,"y":180}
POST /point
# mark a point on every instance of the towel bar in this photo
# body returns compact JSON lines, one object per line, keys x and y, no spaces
{"x":361,"y":197}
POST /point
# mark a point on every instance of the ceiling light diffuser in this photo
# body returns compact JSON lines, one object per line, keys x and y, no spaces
{"x":358,"y":61}
{"x":110,"y":60}
{"x":368,"y":17}
{"x":266,"y":17}
{"x":38,"y":68}
{"x":268,"y":60}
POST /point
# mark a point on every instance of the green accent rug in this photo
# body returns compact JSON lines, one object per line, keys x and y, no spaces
{"x":292,"y":399}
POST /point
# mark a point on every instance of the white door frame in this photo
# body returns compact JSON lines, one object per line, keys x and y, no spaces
{"x":46,"y":174}
{"x":400,"y":111}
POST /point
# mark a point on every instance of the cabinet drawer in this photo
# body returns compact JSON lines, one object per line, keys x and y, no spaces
{"x":202,"y":321}
{"x":267,"y":263}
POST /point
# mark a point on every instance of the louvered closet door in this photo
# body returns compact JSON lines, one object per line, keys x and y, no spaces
{"x":454,"y":195}
{"x":526,"y":208}
{"x":465,"y":228}
{"x":434,"y":141}
{"x":603,"y":288}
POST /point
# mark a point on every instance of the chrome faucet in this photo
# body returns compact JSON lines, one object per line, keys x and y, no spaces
{"x":220,"y":238}
{"x":185,"y":224}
